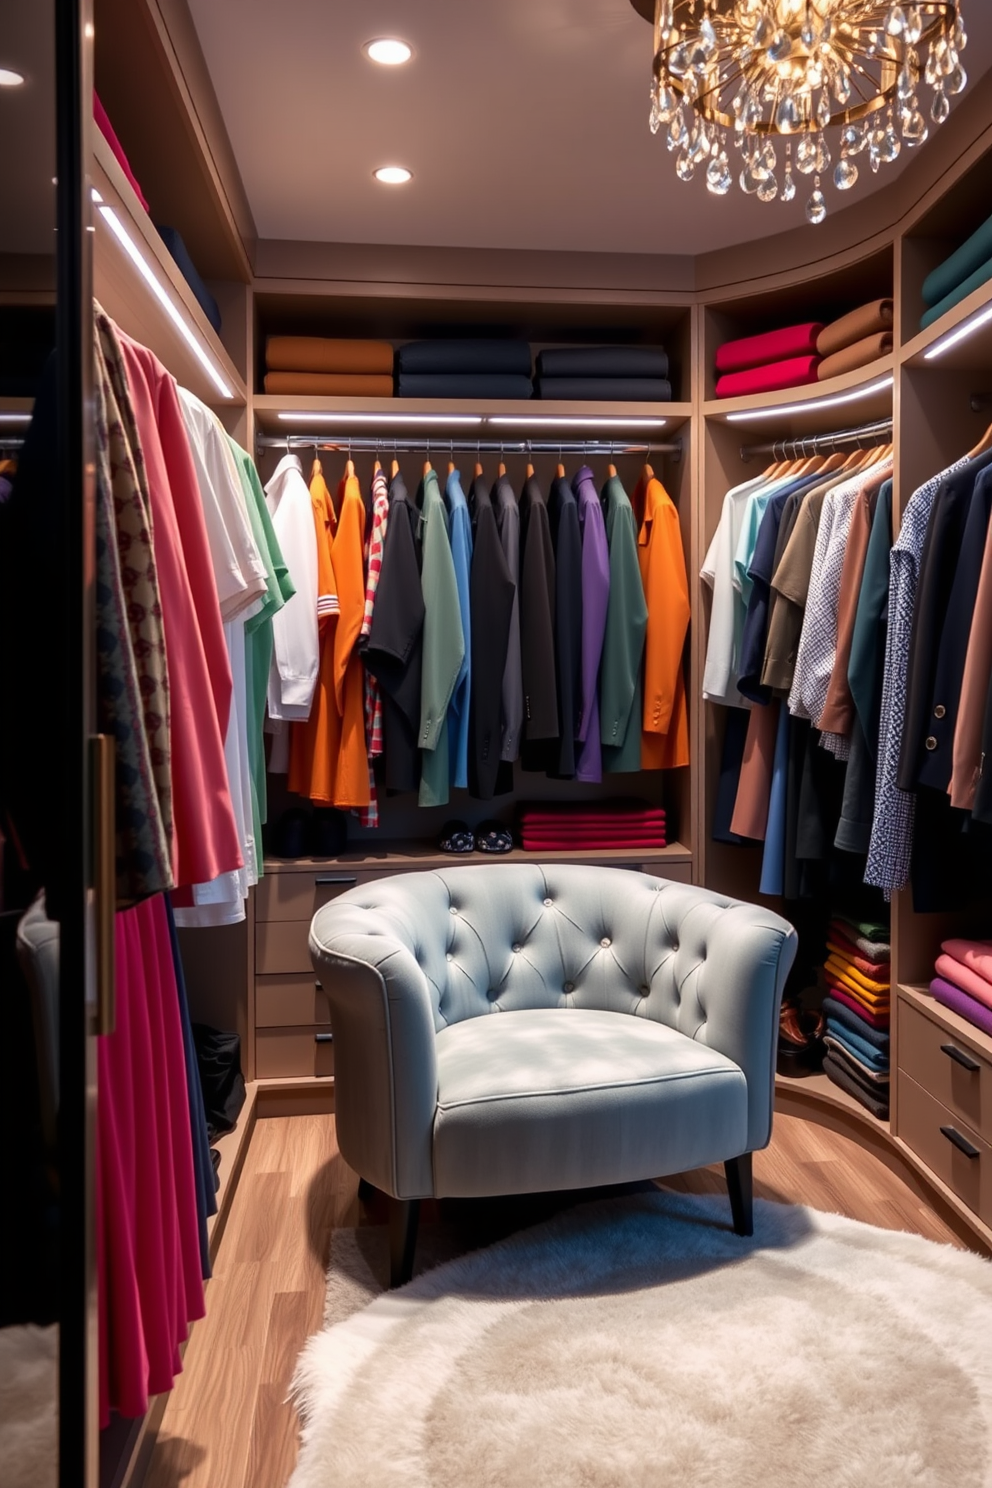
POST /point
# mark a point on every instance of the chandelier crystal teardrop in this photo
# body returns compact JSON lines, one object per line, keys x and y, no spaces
{"x":845,"y":77}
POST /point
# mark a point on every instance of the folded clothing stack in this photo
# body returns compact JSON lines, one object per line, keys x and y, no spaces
{"x":471,"y":368}
{"x":553,"y":827}
{"x":857,"y":1011}
{"x":958,"y":276}
{"x":110,"y":135}
{"x":770,"y":362}
{"x":322,"y":367}
{"x":618,"y":374}
{"x":964,"y":980}
{"x":860,"y":337}
{"x":189,"y":271}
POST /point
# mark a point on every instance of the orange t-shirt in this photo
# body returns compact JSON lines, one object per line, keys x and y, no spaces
{"x":328,"y":759}
{"x":665,"y":734}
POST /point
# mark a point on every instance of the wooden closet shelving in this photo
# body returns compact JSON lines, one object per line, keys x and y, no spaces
{"x":119,"y":286}
{"x":616,"y":420}
{"x":864,"y":401}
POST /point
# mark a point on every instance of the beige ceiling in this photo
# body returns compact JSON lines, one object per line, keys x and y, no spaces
{"x":524,"y":122}
{"x":27,"y":128}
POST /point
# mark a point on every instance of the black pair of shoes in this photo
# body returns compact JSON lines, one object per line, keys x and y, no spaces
{"x":322,"y":833}
{"x":458,"y":839}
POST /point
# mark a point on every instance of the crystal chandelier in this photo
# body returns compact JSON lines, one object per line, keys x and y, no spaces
{"x":767,"y":79}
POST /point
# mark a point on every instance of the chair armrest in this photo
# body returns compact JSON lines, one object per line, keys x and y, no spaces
{"x":731,"y":966}
{"x":385,"y":1065}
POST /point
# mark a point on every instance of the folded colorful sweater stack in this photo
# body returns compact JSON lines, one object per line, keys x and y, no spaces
{"x":318,"y":366}
{"x":470,"y":368}
{"x":770,"y":362}
{"x":964,"y":980}
{"x":622,"y":374}
{"x":554,"y":827}
{"x":958,"y":276}
{"x":860,"y":337}
{"x":857,"y":1011}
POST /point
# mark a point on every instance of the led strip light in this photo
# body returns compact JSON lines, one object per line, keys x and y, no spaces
{"x":960,"y":333}
{"x":147,"y":273}
{"x":814,"y":404}
{"x":381,"y":418}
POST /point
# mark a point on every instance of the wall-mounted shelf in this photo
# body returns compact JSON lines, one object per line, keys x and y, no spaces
{"x":512,"y":419}
{"x":407,"y":855}
{"x":856,"y":398}
{"x":182,"y":338}
{"x":970,"y":350}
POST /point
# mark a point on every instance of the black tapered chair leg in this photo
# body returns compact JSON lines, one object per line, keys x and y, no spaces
{"x":740,"y":1186}
{"x":404,"y":1215}
{"x":366,"y":1190}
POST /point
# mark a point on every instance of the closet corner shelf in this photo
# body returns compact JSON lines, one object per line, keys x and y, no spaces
{"x":919,"y":995}
{"x":972,"y":353}
{"x":424,"y":856}
{"x":854,"y":398}
{"x":119,"y":285}
{"x":818,"y":1098}
{"x":512,"y":419}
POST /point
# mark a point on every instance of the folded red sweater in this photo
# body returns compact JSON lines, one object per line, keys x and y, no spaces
{"x":880,"y":1020}
{"x":586,"y":815}
{"x":770,"y":346}
{"x":622,"y":840}
{"x":797,"y":372}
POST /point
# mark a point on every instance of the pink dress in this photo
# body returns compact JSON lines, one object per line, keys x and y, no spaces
{"x":149,"y":1277}
{"x":205,"y":842}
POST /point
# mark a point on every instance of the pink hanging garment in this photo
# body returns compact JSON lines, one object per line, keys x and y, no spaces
{"x":148,"y":1257}
{"x":205,"y":842}
{"x":110,"y":135}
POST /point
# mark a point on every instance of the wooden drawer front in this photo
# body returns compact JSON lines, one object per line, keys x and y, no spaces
{"x":298,"y":896}
{"x":290,"y":1001}
{"x":936,"y":1135}
{"x":289,"y":1053}
{"x":281,"y":946}
{"x":951,"y":1071}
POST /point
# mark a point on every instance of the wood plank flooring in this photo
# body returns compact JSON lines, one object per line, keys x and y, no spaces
{"x":227,"y":1423}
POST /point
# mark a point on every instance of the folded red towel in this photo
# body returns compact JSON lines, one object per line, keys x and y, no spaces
{"x":773,"y":378}
{"x":549,"y":842}
{"x":769,"y":346}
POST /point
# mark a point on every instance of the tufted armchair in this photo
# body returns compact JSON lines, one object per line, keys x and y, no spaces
{"x":635,"y":1036}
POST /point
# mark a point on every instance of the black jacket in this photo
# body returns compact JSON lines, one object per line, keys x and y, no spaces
{"x":566,"y":539}
{"x":539,"y":748}
{"x":393,"y":652}
{"x":491,"y":593}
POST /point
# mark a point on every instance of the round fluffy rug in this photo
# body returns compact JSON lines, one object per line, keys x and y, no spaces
{"x":639,"y":1342}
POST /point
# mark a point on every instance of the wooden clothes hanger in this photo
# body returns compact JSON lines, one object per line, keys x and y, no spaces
{"x":983,"y":445}
{"x":529,"y":471}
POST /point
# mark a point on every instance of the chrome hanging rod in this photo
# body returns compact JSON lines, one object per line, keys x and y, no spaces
{"x":409,"y":444}
{"x":810,"y":444}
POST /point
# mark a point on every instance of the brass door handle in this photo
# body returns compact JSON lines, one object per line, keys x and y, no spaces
{"x":102,"y":789}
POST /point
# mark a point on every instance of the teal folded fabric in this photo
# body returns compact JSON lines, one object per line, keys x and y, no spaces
{"x":974,"y":281}
{"x":960,"y":266}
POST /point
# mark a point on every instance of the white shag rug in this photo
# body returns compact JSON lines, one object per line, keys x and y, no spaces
{"x":29,"y":1407}
{"x":638,"y":1342}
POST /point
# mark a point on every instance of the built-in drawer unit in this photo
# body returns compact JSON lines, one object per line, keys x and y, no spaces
{"x":949,"y":1146}
{"x":953,"y":1071}
{"x":297,"y":895}
{"x":290,"y":1001}
{"x":288,"y":1053}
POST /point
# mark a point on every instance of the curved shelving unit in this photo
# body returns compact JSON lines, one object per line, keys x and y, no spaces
{"x":856,"y":398}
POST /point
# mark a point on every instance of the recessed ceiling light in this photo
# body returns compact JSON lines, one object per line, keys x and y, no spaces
{"x":393,"y":175}
{"x":9,"y":78}
{"x":389,"y":51}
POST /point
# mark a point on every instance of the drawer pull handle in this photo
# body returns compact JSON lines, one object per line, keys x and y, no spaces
{"x":960,"y":1142}
{"x":328,"y":1038}
{"x":959,"y":1057}
{"x":324,"y":879}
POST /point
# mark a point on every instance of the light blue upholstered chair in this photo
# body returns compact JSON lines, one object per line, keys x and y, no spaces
{"x":518,"y":1028}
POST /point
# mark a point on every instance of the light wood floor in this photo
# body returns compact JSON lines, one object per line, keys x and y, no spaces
{"x":227,"y":1423}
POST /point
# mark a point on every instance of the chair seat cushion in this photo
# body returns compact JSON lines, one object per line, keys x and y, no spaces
{"x":554,"y":1098}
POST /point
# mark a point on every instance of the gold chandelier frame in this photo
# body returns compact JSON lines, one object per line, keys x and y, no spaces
{"x":847,"y":45}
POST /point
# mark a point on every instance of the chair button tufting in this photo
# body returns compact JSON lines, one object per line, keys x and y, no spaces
{"x":645,"y":991}
{"x":517,"y":949}
{"x":548,"y":903}
{"x":449,"y":957}
{"x":675,"y":945}
{"x":606,"y":942}
{"x":568,"y":987}
{"x":452,"y":910}
{"x":493,"y":993}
